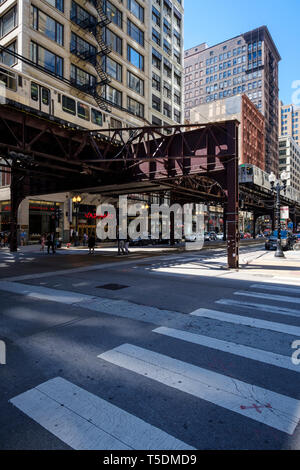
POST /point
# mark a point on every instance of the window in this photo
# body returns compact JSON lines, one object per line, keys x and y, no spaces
{"x":68,"y":105}
{"x":96,"y":117}
{"x":46,"y":59}
{"x":59,"y":4}
{"x":156,"y":81}
{"x":177,"y":115}
{"x":156,"y":103}
{"x":135,"y":33}
{"x":34,"y":91}
{"x":112,"y":95}
{"x":112,"y":68}
{"x":113,"y":13}
{"x":135,"y":107}
{"x":47,"y":25}
{"x":113,"y":40}
{"x":136,"y":9}
{"x":45,"y":96}
{"x":135,"y":58}
{"x":81,"y":78}
{"x":167,"y":110}
{"x":156,"y":16}
{"x":81,"y":16}
{"x":156,"y":37}
{"x":8,"y":21}
{"x":135,"y":83}
{"x":81,"y":47}
{"x":6,"y":58}
{"x":83,"y":111}
{"x":8,"y":79}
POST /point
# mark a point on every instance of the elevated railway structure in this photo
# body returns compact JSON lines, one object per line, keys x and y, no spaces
{"x":189,"y":163}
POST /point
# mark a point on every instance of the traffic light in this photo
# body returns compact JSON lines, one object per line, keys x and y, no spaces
{"x":58,"y":213}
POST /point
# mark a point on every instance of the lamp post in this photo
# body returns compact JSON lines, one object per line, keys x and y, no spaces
{"x":77,"y":200}
{"x":277,"y":186}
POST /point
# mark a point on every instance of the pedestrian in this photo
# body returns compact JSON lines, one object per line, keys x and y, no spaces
{"x":43,"y":241}
{"x":121,"y":247}
{"x":91,"y":244}
{"x":85,"y":239}
{"x":51,"y":242}
{"x":126,"y":246}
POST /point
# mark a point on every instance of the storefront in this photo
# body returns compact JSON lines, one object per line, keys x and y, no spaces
{"x":5,"y":216}
{"x":42,"y":220}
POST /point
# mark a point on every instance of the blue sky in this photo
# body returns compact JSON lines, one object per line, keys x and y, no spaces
{"x":217,"y":20}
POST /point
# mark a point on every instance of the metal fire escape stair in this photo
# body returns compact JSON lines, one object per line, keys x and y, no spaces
{"x":104,"y":49}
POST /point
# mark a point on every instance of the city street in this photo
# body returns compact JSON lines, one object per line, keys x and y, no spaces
{"x":155,"y":350}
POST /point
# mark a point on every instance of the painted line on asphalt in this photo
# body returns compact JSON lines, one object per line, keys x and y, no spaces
{"x":278,"y":298}
{"x":275,"y":410}
{"x":290,"y":290}
{"x":84,"y":421}
{"x":247,"y":321}
{"x":247,"y":352}
{"x":259,"y":307}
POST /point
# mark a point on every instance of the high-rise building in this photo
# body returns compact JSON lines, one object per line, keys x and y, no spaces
{"x":166,"y":67}
{"x":248,"y":64}
{"x":289,"y":160}
{"x":289,"y":121}
{"x":96,"y":62}
{"x":251,"y":129}
{"x":101,"y":51}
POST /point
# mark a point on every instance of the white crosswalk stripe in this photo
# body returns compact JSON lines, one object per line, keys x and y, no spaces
{"x":289,"y":290}
{"x":237,"y":349}
{"x":247,"y":321}
{"x":260,"y":307}
{"x":278,"y":298}
{"x":84,"y":421}
{"x":273,"y":409}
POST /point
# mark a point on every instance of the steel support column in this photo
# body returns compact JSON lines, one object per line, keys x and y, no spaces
{"x":233,"y":209}
{"x":17,"y":194}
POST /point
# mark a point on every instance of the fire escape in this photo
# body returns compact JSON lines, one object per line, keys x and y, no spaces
{"x":97,"y":29}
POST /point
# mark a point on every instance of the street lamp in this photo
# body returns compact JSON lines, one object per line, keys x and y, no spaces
{"x":277,"y":186}
{"x":77,"y":200}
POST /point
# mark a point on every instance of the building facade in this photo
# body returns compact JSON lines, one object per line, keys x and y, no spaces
{"x":289,"y":160}
{"x":98,"y":57}
{"x":166,"y":67}
{"x":289,"y":121}
{"x":248,"y":64}
{"x":251,"y":129}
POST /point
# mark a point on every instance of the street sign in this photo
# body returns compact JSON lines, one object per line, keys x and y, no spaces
{"x":284,"y":213}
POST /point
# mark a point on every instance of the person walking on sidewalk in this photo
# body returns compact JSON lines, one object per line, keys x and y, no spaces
{"x":51,"y":242}
{"x":43,"y":241}
{"x":91,"y":244}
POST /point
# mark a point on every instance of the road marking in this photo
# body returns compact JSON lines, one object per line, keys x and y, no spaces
{"x":84,"y":421}
{"x":289,"y":290}
{"x":219,"y":389}
{"x":247,"y":321}
{"x":262,"y":307}
{"x":237,"y":349}
{"x":278,"y":298}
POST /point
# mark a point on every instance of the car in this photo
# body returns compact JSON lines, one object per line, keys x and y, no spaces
{"x":206,"y":236}
{"x":212,"y":236}
{"x":288,"y":241}
{"x":220,"y":236}
{"x":247,"y":235}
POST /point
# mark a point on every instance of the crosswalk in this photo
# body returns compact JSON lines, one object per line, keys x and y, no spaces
{"x":85,"y":421}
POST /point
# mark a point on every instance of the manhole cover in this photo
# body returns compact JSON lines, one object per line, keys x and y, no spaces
{"x":112,"y":287}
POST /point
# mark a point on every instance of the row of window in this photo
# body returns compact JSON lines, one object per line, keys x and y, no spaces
{"x":115,"y":97}
{"x":166,"y":108}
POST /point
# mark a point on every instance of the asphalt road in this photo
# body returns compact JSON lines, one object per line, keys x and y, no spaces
{"x":167,"y":352}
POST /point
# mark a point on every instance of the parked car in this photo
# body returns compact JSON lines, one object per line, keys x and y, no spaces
{"x":247,"y":235}
{"x":206,"y":236}
{"x":288,"y":241}
{"x":212,"y":236}
{"x":220,"y":236}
